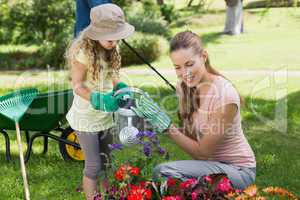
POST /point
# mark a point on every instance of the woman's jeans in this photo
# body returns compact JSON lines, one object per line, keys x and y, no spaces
{"x":241,"y":177}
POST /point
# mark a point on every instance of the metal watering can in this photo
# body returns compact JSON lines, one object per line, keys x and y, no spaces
{"x":128,"y":123}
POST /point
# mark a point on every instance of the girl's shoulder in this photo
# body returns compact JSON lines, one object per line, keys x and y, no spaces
{"x":81,"y":56}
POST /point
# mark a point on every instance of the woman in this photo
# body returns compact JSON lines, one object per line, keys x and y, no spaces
{"x":209,"y":108}
{"x":95,"y":62}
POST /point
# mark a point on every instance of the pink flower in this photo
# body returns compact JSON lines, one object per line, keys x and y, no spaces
{"x":224,"y":185}
{"x":208,"y":179}
{"x":238,"y":191}
{"x":194,"y":195}
{"x":172,"y":198}
{"x":186,"y":184}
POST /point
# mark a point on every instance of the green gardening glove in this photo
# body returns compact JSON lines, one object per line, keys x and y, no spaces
{"x":104,"y":101}
{"x":121,"y":85}
{"x":147,"y":108}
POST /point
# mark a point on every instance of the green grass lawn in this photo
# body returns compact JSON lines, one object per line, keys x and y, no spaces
{"x":277,"y":152}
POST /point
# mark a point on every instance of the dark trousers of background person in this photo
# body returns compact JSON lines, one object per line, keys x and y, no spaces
{"x":83,"y":9}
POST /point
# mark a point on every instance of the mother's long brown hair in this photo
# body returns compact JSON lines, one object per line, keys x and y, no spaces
{"x":189,"y":100}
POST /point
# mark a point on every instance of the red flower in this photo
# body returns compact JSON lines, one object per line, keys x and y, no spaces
{"x":148,"y":194}
{"x":145,"y":184}
{"x":122,"y":167}
{"x":171,"y":182}
{"x":123,"y":172}
{"x":135,"y":171}
{"x":119,"y":175}
{"x":135,"y":197}
{"x":139,"y":193}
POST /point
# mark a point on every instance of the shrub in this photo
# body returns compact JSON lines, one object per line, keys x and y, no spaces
{"x":151,"y":47}
{"x":273,"y":3}
{"x":17,"y":57}
{"x":123,"y":3}
{"x":168,"y":12}
{"x":147,"y":18}
{"x":52,"y":53}
{"x":34,"y":21}
{"x":47,"y":54}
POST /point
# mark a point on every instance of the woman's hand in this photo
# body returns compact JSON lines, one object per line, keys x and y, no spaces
{"x":147,"y":108}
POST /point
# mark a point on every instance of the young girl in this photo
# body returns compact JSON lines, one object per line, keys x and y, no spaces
{"x":95,"y":62}
{"x":209,"y":108}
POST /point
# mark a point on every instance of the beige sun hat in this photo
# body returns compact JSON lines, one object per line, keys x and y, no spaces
{"x":108,"y":23}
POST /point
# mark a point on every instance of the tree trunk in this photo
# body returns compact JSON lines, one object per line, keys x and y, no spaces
{"x":190,"y":3}
{"x":160,"y":2}
{"x":234,"y":18}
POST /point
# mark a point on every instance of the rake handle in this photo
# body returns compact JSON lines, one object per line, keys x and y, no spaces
{"x":23,"y":169}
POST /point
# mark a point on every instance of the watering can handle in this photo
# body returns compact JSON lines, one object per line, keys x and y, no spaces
{"x":130,"y":89}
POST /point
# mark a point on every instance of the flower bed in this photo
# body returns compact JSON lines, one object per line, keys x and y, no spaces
{"x":132,"y":181}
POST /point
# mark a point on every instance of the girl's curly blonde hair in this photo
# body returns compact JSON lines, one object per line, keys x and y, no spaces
{"x":94,"y":52}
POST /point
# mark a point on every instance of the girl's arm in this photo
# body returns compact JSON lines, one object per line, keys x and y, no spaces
{"x":117,"y":83}
{"x":221,"y":120}
{"x":78,"y":74}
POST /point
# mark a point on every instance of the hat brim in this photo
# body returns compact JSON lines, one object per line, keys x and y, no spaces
{"x":124,"y":32}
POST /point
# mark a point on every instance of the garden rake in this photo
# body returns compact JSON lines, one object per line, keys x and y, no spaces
{"x":14,"y":106}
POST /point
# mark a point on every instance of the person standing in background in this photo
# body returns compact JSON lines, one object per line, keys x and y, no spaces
{"x":83,"y":9}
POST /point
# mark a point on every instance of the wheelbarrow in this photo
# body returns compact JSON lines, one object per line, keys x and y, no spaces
{"x":46,"y":115}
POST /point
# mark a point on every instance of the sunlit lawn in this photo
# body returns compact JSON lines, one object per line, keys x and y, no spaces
{"x":277,"y":152}
{"x":269,"y":41}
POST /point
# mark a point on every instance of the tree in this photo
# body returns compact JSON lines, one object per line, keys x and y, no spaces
{"x":234,"y":17}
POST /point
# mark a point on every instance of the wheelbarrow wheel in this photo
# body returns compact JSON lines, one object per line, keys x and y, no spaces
{"x":69,"y":152}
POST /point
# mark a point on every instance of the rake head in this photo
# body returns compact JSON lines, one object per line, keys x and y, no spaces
{"x":14,"y":105}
